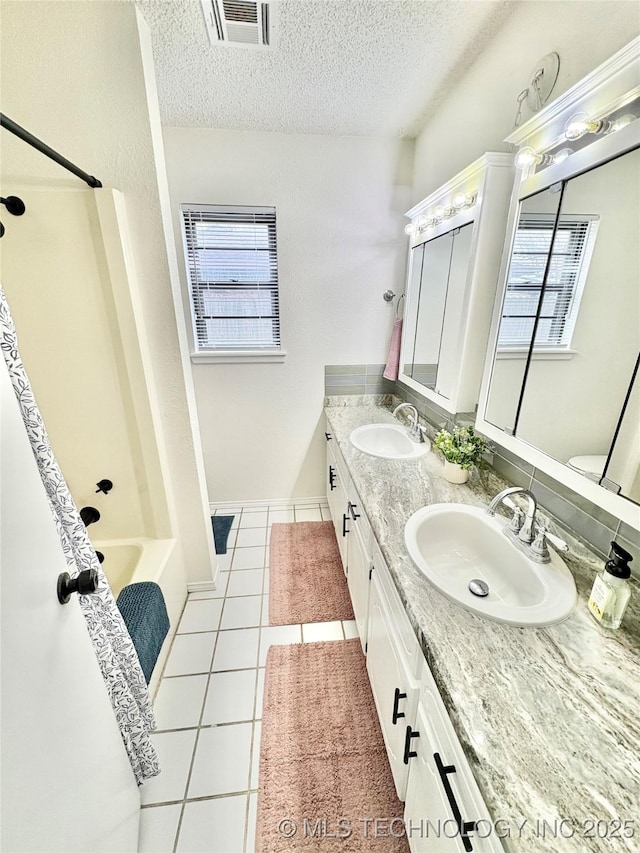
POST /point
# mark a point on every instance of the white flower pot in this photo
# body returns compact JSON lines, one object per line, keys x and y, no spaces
{"x":454,"y":473}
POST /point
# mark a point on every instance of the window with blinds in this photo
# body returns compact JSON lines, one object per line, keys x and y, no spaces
{"x":233,"y":275}
{"x":571,"y":249}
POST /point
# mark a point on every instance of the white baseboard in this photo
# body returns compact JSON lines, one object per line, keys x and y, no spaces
{"x":204,"y":586}
{"x":277,"y":502}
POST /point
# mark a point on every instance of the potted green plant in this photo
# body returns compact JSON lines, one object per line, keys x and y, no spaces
{"x":461,"y":450}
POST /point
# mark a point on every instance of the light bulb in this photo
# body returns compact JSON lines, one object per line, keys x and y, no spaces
{"x":581,"y":123}
{"x":439,"y":212}
{"x":561,"y":156}
{"x":461,"y":200}
{"x":410,"y":229}
{"x":526,"y":157}
{"x":621,"y":122}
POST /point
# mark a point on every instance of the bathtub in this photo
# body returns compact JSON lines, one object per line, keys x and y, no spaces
{"x":129,"y":561}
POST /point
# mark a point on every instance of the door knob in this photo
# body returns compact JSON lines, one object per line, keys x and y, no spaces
{"x":84,"y":584}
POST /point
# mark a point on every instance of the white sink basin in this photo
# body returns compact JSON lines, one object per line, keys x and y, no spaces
{"x":388,"y":441}
{"x":453,"y":544}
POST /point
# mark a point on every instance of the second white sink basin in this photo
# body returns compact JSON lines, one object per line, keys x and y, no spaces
{"x":388,"y":441}
{"x":455,"y":544}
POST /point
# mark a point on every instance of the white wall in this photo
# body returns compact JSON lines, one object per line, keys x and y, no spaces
{"x":339,"y":206}
{"x":479,"y":111}
{"x":77,"y":75}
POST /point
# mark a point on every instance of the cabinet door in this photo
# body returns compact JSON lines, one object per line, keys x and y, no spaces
{"x":431,"y":826}
{"x":444,"y":809}
{"x":337,"y":500}
{"x":359,"y":574}
{"x":395,"y":692}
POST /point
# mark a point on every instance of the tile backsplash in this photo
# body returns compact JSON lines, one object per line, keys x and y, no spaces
{"x":356,"y":379}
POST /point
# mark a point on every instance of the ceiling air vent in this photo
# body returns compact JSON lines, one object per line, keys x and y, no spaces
{"x":246,"y":23}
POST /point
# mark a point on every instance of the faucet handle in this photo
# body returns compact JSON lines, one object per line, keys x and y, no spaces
{"x":558,"y":543}
{"x":517,"y":519}
{"x":539,"y":550}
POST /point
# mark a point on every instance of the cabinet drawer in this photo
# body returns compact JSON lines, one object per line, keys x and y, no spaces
{"x":404,"y":633}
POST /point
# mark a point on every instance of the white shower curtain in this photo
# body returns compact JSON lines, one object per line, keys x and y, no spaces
{"x":114,"y":650}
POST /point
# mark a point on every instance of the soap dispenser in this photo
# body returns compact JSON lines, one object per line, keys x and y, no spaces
{"x":611,"y":591}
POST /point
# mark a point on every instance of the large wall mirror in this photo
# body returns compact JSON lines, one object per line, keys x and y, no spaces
{"x":457,"y":235}
{"x":564,"y":375}
{"x":438,"y":282}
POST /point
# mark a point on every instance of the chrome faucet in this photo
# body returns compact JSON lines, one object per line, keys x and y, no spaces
{"x":416,"y":432}
{"x":523,"y":529}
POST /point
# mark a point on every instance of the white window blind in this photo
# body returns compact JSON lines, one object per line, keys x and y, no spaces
{"x":571,"y":249}
{"x":233,"y":273}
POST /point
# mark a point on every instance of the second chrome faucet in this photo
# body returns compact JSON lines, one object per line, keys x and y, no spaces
{"x":415,"y":431}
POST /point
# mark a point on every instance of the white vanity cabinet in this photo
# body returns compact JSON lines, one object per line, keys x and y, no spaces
{"x":430,"y":771}
{"x":444,"y":809}
{"x":393,"y":658}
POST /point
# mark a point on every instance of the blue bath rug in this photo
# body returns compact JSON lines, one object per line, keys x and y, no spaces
{"x":221,"y":527}
{"x":145,"y":615}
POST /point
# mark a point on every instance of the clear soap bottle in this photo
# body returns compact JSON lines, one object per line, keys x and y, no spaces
{"x":611,"y":590}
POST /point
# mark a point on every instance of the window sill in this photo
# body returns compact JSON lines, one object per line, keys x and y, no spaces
{"x":538,"y":355}
{"x":239,"y":357}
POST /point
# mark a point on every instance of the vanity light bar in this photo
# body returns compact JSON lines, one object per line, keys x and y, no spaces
{"x":581,"y":123}
{"x":441,"y":213}
{"x":577,"y":126}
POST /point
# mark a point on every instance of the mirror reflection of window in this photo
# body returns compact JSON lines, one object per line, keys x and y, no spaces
{"x":572,"y":401}
{"x":572,"y":249}
{"x":529,"y":256}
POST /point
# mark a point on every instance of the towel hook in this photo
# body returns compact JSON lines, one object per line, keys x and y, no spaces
{"x":388,"y":296}
{"x":400,"y":298}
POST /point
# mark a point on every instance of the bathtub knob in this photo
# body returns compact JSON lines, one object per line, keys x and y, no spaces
{"x":104,"y":486}
{"x":84,"y":584}
{"x":89,"y":515}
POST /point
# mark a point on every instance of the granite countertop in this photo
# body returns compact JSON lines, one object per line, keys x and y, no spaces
{"x":547,"y":717}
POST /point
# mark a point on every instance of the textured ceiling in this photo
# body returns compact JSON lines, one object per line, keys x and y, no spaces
{"x":343,"y":67}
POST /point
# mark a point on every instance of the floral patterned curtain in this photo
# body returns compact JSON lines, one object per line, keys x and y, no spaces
{"x":114,"y":650}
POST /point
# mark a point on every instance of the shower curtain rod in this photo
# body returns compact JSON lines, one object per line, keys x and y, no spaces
{"x":39,"y":145}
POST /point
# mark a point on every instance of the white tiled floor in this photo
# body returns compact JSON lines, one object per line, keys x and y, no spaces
{"x":209,"y":705}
